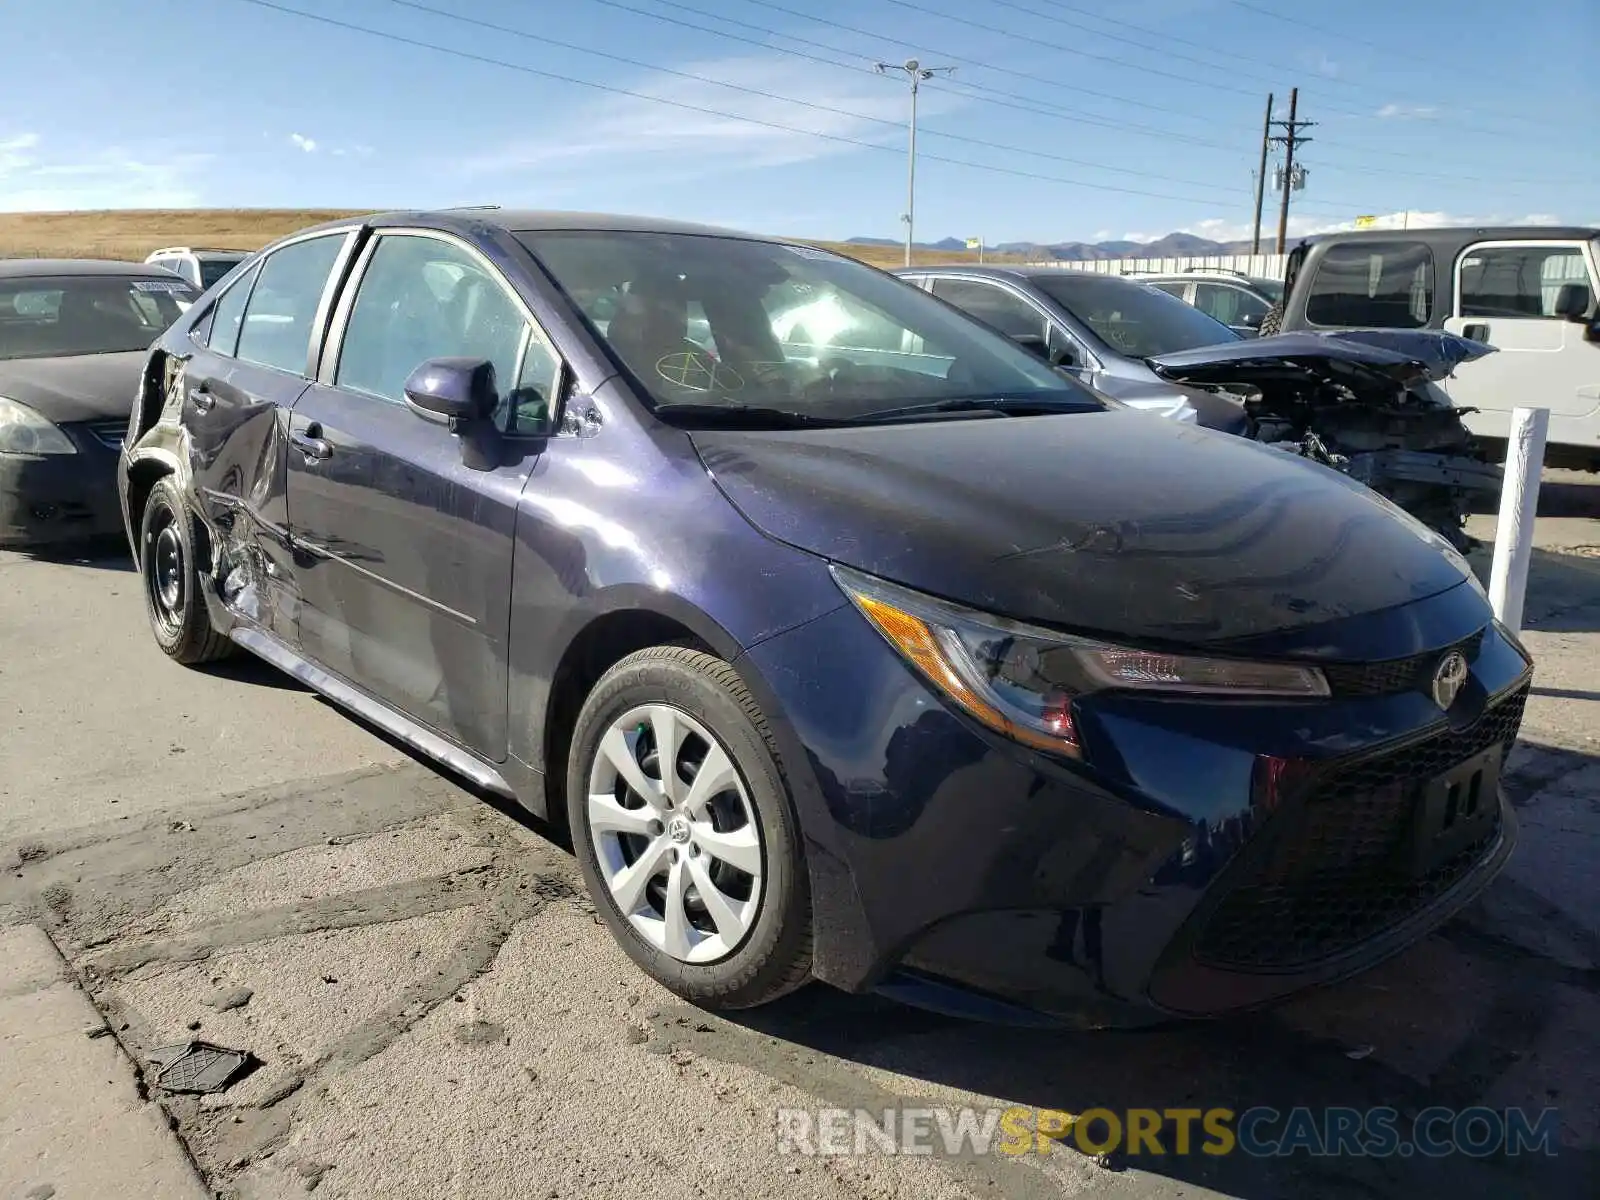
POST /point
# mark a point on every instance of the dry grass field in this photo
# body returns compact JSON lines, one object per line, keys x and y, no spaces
{"x":133,"y":233}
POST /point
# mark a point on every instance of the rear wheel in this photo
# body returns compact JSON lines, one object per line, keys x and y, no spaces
{"x":1271,"y":321}
{"x":681,"y":820}
{"x":177,"y":611}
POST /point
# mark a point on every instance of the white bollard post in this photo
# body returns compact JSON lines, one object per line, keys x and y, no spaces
{"x":1519,"y":505}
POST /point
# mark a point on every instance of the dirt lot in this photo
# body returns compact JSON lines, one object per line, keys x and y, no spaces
{"x":436,"y":1011}
{"x":134,"y":234}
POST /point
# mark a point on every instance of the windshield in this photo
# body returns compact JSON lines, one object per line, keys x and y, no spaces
{"x":49,"y":317}
{"x":1131,"y":318}
{"x":750,"y":325}
{"x":213,"y":269}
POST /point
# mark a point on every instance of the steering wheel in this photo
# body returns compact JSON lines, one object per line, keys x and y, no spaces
{"x":695,"y":369}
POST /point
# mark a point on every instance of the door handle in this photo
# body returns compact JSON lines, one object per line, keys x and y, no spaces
{"x":204,"y":401}
{"x":1477,"y":331}
{"x":309,"y":444}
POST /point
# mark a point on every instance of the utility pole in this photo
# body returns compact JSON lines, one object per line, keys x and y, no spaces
{"x":917,"y":73}
{"x":1261,"y":178}
{"x":1289,"y":140}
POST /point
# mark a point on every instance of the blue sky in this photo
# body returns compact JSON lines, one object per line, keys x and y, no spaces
{"x":1057,"y":124}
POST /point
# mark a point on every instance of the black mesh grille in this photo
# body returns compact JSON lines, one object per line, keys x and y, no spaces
{"x":1333,"y":867}
{"x":1395,"y":674}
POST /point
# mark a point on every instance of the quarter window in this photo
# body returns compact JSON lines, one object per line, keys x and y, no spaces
{"x":994,"y":306}
{"x":423,"y":298}
{"x":1383,"y":285}
{"x":226,"y":313}
{"x":1519,"y":281}
{"x":276,"y":331}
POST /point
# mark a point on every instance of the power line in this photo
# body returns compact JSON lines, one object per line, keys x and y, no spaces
{"x":470,"y":56}
{"x":1125,"y":126}
{"x":988,"y":143}
{"x":1290,"y":139}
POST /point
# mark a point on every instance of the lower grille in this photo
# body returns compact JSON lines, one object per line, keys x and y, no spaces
{"x":1331,"y":868}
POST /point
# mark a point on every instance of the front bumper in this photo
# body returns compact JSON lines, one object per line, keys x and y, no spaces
{"x":953,"y":868}
{"x":63,"y":498}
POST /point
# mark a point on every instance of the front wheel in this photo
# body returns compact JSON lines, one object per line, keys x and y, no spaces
{"x":682,"y":824}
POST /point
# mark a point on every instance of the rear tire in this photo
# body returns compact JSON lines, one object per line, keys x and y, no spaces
{"x":706,"y":889}
{"x":172,"y":599}
{"x":1271,"y":321}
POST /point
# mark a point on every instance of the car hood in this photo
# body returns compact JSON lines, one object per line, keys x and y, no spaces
{"x":79,"y":387}
{"x":1110,"y":523}
{"x":1372,"y":358}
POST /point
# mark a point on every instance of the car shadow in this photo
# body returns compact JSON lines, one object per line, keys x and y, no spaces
{"x":248,"y":669}
{"x":107,"y":555}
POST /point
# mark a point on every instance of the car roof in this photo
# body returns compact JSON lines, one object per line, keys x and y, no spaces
{"x":29,"y":268}
{"x":524,"y":220}
{"x":1463,"y":233}
{"x":198,"y":250}
{"x":1020,"y":274}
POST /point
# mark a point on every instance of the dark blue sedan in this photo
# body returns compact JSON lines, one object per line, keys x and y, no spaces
{"x":851,"y":641}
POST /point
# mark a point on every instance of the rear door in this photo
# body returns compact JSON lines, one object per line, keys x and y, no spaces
{"x":250,"y":363}
{"x":405,"y":549}
{"x":1505,"y":294}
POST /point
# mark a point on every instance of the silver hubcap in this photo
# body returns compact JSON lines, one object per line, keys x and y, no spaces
{"x":675,"y":834}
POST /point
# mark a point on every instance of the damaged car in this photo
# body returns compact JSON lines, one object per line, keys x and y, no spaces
{"x":916,"y":668}
{"x":1365,"y":402}
{"x":1369,"y":404}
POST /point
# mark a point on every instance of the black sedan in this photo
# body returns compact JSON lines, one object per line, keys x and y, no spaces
{"x":851,"y":641}
{"x":74,"y":335}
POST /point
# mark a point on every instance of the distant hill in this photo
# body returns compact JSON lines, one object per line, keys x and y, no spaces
{"x":1174,"y":245}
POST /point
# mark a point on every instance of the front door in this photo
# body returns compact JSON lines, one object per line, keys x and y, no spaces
{"x":1505,"y":295}
{"x":405,"y":550}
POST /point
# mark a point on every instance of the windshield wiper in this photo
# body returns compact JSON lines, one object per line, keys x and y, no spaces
{"x":753,"y":416}
{"x":1011,"y":406}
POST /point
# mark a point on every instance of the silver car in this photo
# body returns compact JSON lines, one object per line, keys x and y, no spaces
{"x":1099,"y":327}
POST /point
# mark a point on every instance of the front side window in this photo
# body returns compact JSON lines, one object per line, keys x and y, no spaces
{"x":57,"y":316}
{"x":276,"y":331}
{"x":993,"y":305}
{"x":422,"y":298}
{"x":1230,"y":305}
{"x":1376,"y":285}
{"x":780,"y":330}
{"x":1519,"y":281}
{"x":1134,"y":320}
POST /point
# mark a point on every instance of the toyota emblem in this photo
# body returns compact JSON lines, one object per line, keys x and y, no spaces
{"x":1448,"y":678}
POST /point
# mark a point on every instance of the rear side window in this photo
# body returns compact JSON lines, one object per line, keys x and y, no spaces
{"x":276,"y":331}
{"x":1171,"y":288}
{"x":996,"y":308}
{"x":1519,"y":281}
{"x":1384,"y":285}
{"x":225,"y":317}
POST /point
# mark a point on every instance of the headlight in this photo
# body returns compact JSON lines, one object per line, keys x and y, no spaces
{"x":1021,"y":680}
{"x":23,"y":431}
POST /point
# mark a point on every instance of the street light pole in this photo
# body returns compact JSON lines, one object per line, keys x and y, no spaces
{"x":917,"y":73}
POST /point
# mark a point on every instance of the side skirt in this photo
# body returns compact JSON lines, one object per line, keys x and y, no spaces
{"x":418,"y":737}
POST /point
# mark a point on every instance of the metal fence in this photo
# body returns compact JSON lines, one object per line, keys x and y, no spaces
{"x":1269,"y":266}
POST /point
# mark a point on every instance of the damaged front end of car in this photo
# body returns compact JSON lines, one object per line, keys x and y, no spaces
{"x":1365,"y":402}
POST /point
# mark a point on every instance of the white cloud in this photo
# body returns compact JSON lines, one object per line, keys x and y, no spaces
{"x":647,"y":134}
{"x":309,"y":145}
{"x":32,"y":179}
{"x":1408,"y":112}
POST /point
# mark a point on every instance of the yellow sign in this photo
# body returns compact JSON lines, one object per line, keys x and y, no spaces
{"x":974,"y":243}
{"x":1366,"y":222}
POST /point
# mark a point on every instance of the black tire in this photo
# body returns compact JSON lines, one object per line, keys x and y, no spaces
{"x":172,"y":598}
{"x":775,"y":955}
{"x":1271,"y":321}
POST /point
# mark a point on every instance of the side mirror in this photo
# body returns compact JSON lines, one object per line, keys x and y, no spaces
{"x":457,"y":392}
{"x":1572,"y":301}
